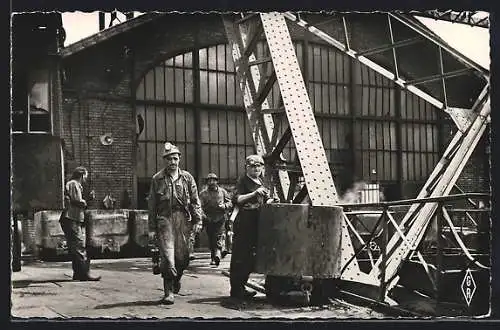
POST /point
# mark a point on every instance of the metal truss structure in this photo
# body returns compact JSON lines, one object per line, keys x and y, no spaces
{"x":472,"y":18}
{"x":295,"y":118}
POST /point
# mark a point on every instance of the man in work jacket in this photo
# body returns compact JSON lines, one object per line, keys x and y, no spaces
{"x":215,"y":202}
{"x":174,"y":211}
{"x":72,"y":224}
{"x":250,"y":194}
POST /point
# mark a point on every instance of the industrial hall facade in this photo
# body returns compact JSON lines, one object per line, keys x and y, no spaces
{"x":110,"y":101}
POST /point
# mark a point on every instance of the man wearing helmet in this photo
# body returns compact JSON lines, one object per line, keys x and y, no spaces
{"x":215,"y":202}
{"x":174,"y":211}
{"x":250,"y":195}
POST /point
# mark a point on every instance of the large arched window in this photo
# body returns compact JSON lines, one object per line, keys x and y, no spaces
{"x":371,"y":130}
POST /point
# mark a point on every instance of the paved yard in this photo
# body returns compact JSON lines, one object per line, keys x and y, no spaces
{"x":128,"y":289}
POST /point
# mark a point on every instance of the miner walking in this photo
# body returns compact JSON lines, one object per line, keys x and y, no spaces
{"x":174,"y":211}
{"x":215,"y":202}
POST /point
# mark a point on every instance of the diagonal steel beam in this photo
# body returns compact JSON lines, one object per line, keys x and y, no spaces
{"x":265,"y":89}
{"x":254,"y":39}
{"x":442,"y":76}
{"x":390,"y":46}
{"x":278,"y":149}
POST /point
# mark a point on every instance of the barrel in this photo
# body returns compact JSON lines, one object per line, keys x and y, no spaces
{"x":299,"y":240}
{"x":49,"y":236}
{"x":107,"y":232}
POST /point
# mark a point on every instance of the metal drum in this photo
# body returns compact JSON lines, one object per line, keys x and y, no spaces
{"x":299,"y":246}
{"x":49,"y":236}
{"x":107,"y":231}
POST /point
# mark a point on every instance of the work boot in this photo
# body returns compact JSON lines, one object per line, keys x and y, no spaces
{"x":216,"y":261}
{"x":84,"y":278}
{"x":168,"y":298}
{"x":242,"y":294}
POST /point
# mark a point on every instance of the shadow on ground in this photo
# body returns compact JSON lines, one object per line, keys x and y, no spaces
{"x":256,"y":303}
{"x":26,"y":283}
{"x":129,"y":304}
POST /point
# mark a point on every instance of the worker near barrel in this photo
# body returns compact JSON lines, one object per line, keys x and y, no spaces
{"x":250,"y":194}
{"x":174,"y":211}
{"x":215,"y":202}
{"x":73,"y":222}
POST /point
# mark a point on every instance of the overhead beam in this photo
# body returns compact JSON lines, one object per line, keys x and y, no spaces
{"x":381,"y":70}
{"x":463,"y":17}
{"x":447,"y":75}
{"x":392,"y":45}
{"x":436,"y":40}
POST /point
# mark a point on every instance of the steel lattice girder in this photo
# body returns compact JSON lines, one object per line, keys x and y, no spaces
{"x":243,"y":42}
{"x":472,"y":18}
{"x":449,"y":168}
{"x":445,"y":174}
{"x":396,"y":72}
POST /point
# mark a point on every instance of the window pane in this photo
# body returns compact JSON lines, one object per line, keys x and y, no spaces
{"x":39,"y":90}
{"x":203,"y":86}
{"x":169,"y":84}
{"x":179,"y":85}
{"x":205,"y":138}
{"x":150,"y":122}
{"x":221,"y":57}
{"x":159,"y":83}
{"x":39,"y":122}
{"x":212,"y":58}
{"x":212,"y":87}
{"x":221,"y":88}
{"x":202,"y":53}
{"x":180,"y":125}
{"x":230,"y":81}
{"x":190,"y":125}
{"x":160,"y":124}
{"x":188,"y":60}
{"x":188,"y":86}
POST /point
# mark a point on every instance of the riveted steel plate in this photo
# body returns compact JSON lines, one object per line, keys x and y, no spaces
{"x":300,"y":240}
{"x":299,"y":112}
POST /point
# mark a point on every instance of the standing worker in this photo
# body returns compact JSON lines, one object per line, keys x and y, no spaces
{"x":72,"y":223}
{"x":174,"y":210}
{"x":215,"y":202}
{"x":249,"y":196}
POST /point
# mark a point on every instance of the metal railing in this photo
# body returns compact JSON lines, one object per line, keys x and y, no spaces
{"x":371,"y":225}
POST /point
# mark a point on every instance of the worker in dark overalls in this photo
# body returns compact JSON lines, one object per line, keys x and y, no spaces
{"x":215,"y":202}
{"x":72,"y":224}
{"x":250,"y":194}
{"x":174,"y":210}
